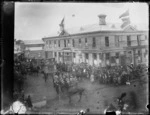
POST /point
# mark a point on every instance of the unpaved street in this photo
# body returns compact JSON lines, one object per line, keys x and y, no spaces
{"x":99,"y":96}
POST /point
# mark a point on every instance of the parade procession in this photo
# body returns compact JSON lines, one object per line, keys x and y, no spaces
{"x":80,"y":59}
{"x":67,"y":77}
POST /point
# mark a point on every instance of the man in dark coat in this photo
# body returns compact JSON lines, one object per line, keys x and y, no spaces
{"x":121,"y":101}
{"x":29,"y":102}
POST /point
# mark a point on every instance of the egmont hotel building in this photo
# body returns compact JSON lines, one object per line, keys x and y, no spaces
{"x":100,"y":44}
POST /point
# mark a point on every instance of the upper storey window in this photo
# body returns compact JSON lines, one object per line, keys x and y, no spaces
{"x":117,"y":41}
{"x":107,"y":41}
{"x":79,"y":41}
{"x":58,"y":43}
{"x":139,"y":40}
{"x":54,"y":43}
{"x":86,"y":43}
{"x":128,"y":40}
{"x":94,"y":42}
{"x":64,"y":43}
{"x":73,"y":43}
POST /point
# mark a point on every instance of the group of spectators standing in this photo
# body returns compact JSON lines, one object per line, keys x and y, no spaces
{"x":117,"y":75}
{"x":20,"y":71}
{"x":69,"y":74}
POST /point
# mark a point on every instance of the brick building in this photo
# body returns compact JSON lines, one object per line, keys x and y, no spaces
{"x":34,"y":49}
{"x":99,"y":44}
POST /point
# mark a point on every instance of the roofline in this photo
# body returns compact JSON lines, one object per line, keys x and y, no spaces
{"x":93,"y":33}
{"x":36,"y":50}
{"x":34,"y":44}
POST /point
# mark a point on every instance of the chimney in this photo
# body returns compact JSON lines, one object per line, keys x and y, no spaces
{"x":102,"y":19}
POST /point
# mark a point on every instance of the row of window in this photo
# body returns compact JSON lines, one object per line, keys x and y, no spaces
{"x":107,"y":41}
{"x":101,"y":55}
{"x":108,"y":56}
{"x":87,"y":55}
{"x":94,"y":55}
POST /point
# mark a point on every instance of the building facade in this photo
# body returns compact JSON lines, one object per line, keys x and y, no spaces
{"x":34,"y":49}
{"x":99,"y":44}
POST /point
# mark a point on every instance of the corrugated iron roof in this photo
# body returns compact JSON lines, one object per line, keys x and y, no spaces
{"x":97,"y":27}
{"x":94,"y":27}
{"x":33,"y":42}
{"x":140,"y":26}
{"x":35,"y":48}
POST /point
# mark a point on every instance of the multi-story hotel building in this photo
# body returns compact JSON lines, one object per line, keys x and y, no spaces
{"x":99,"y":44}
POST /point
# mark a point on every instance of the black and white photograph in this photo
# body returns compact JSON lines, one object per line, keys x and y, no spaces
{"x":80,"y":58}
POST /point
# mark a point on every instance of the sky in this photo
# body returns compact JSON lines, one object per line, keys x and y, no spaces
{"x":34,"y":21}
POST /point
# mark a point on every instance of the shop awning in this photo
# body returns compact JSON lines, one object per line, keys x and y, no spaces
{"x":67,"y":50}
{"x":135,"y":47}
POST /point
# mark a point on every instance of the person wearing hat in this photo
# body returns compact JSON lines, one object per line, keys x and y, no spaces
{"x":29,"y":102}
{"x":121,"y":101}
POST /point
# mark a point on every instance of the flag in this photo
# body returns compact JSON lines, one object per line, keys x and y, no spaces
{"x":62,"y":22}
{"x":124,"y":14}
{"x":125,"y":24}
{"x":126,"y":19}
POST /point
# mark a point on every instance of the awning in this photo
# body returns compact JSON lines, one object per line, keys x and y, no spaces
{"x":135,"y":47}
{"x":35,"y":48}
{"x":67,"y":50}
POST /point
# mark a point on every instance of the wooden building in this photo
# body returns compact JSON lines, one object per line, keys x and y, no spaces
{"x":99,"y":44}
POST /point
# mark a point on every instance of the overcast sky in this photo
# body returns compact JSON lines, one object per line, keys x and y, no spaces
{"x":37,"y":20}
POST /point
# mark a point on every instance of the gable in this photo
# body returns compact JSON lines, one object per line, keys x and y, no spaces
{"x":129,"y":28}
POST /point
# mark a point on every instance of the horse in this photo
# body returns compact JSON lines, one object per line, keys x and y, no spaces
{"x":73,"y":90}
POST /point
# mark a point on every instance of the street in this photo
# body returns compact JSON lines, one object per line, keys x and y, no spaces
{"x":99,"y":96}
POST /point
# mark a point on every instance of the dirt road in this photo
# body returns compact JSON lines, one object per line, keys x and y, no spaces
{"x":98,"y":95}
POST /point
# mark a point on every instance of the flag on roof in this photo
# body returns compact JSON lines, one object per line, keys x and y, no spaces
{"x":62,"y":22}
{"x":126,"y":13}
{"x":126,"y":19}
{"x":125,"y":24}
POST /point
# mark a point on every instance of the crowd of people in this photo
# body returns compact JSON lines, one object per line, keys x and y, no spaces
{"x":117,"y":75}
{"x":21,"y":66}
{"x":67,"y":75}
{"x":70,"y":74}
